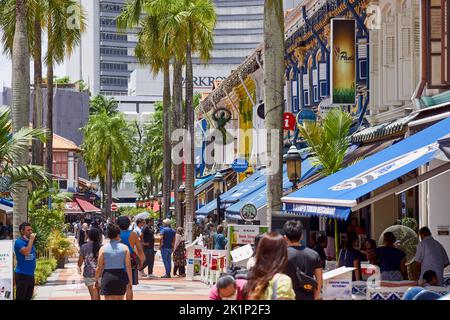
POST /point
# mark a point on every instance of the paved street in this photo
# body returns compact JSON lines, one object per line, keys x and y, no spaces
{"x":67,"y":284}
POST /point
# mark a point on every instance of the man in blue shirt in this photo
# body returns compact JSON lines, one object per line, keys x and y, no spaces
{"x":25,"y":252}
{"x":167,"y":243}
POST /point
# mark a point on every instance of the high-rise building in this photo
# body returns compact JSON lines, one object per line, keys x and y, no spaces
{"x":106,"y":58}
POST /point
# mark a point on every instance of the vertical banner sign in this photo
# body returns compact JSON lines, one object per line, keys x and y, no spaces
{"x":343,"y":64}
{"x":6,"y":270}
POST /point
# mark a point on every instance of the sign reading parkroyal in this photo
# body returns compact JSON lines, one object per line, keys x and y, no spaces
{"x":6,"y":270}
{"x":343,"y":63}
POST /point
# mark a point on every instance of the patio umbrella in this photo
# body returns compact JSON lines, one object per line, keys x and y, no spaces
{"x":142,"y":215}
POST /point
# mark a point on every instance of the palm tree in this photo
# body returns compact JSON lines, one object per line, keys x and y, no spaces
{"x":198,"y":19}
{"x":62,"y":38}
{"x":38,"y":14}
{"x":100,"y":104}
{"x":155,"y":49}
{"x":329,"y":141}
{"x":106,"y":150}
{"x":20,"y":107}
{"x":274,"y":101}
{"x":40,"y":197}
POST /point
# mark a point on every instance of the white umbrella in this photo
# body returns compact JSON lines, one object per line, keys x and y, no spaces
{"x":142,"y":215}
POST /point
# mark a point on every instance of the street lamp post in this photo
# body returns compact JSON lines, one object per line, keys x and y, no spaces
{"x":219,"y":182}
{"x":294,"y":165}
{"x":160,"y":196}
{"x":182,"y":197}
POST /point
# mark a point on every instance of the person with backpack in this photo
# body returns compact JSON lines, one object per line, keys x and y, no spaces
{"x":304,"y":266}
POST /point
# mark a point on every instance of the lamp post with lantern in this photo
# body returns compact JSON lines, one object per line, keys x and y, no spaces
{"x":182,"y":197}
{"x":294,"y":165}
{"x":160,"y":196}
{"x":219,"y":186}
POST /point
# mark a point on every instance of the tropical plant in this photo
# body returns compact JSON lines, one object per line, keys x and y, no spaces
{"x":102,"y":104}
{"x":62,"y":80}
{"x":60,"y":247}
{"x":44,"y":268}
{"x":44,"y":221}
{"x":329,"y":141}
{"x":39,"y":198}
{"x":106,"y":150}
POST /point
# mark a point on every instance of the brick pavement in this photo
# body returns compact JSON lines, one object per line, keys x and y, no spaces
{"x":67,"y":284}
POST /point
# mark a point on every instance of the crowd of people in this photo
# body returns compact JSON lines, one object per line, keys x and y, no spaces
{"x":282,"y":268}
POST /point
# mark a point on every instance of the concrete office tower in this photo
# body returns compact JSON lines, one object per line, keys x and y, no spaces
{"x":106,"y":58}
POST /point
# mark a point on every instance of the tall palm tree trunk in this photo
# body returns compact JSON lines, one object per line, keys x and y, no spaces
{"x":177,"y":124}
{"x":20,"y":106}
{"x":274,"y":101}
{"x":167,"y":179}
{"x":189,"y":151}
{"x":108,"y":187}
{"x":38,"y":105}
{"x":49,"y":146}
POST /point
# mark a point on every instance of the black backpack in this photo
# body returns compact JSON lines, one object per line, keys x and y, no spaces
{"x":306,"y":283}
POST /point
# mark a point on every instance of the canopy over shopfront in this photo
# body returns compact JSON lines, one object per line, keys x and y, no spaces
{"x":78,"y":206}
{"x":253,"y":190}
{"x":336,"y":195}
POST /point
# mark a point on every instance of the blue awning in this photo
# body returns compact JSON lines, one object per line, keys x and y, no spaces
{"x":259,"y":198}
{"x":199,"y":182}
{"x":248,"y":186}
{"x":336,"y":195}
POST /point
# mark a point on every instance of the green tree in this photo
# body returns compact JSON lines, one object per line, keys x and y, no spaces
{"x":100,"y":104}
{"x":329,"y":141}
{"x":39,"y":198}
{"x":106,"y":150}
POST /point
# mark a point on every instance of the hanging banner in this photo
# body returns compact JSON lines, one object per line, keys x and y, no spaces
{"x":343,"y":63}
{"x":6,"y":270}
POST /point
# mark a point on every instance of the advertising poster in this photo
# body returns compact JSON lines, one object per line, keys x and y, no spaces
{"x":343,"y":63}
{"x":6,"y":270}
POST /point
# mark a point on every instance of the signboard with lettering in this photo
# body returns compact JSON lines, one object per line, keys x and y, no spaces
{"x":240,"y":165}
{"x":288,"y":121}
{"x":6,"y":270}
{"x":338,"y":284}
{"x":343,"y":64}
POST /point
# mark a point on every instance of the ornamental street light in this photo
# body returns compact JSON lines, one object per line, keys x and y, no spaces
{"x":219,"y":186}
{"x":160,"y":196}
{"x":152,"y":201}
{"x":294,"y":165}
{"x":182,"y":197}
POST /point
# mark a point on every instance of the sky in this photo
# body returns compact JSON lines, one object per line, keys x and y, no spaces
{"x":5,"y":70}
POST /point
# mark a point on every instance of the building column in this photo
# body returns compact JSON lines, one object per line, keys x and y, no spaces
{"x":70,"y":169}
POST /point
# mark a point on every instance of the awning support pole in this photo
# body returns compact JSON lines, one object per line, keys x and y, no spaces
{"x":405,"y":186}
{"x":246,"y":90}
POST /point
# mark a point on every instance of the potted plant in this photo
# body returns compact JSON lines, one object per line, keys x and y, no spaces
{"x":60,"y":248}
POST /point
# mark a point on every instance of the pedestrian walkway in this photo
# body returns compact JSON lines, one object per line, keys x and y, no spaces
{"x":67,"y":284}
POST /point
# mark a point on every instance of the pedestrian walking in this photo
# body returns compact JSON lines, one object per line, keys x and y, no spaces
{"x":132,"y":241}
{"x":431,"y":255}
{"x":220,"y":241}
{"x":148,"y":243}
{"x":89,"y":253}
{"x":114,"y":267}
{"x":227,"y":288}
{"x":266,"y":280}
{"x":83,"y":235}
{"x":138,"y":229}
{"x":391,"y":260}
{"x":350,"y":257}
{"x":167,"y":244}
{"x":179,"y":254}
{"x":25,"y":252}
{"x":304,"y":265}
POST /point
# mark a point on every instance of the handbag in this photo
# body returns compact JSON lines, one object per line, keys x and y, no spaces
{"x":306,"y":283}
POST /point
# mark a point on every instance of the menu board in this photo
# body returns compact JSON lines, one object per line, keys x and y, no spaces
{"x":6,"y":270}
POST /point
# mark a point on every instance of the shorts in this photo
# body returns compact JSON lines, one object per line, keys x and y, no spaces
{"x":90,"y":281}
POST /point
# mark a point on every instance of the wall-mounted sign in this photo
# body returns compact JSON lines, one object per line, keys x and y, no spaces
{"x":288,"y":121}
{"x":306,"y":114}
{"x":343,"y":62}
{"x":240,"y":165}
{"x":249,"y":212}
{"x":443,"y":230}
{"x":260,"y":110}
{"x":6,"y":270}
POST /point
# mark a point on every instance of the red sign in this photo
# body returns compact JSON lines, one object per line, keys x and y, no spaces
{"x":114,"y":207}
{"x":288,"y":121}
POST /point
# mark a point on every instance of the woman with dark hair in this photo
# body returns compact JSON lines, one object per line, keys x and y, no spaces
{"x":266,"y":280}
{"x":89,"y":256}
{"x":131,"y":239}
{"x":370,"y":251}
{"x":179,"y":256}
{"x":391,"y":260}
{"x":351,"y":257}
{"x":114,"y":267}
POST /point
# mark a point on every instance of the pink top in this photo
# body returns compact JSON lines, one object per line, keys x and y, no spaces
{"x":240,"y":284}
